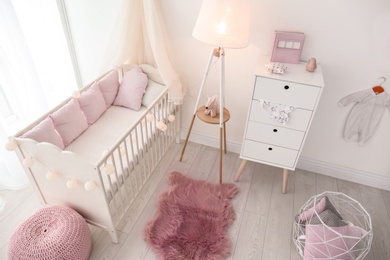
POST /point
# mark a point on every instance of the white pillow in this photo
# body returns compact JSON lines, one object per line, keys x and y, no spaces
{"x":152,"y":91}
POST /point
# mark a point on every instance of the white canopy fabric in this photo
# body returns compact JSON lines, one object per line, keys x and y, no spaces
{"x":139,"y":37}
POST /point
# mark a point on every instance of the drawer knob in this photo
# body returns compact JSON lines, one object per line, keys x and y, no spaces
{"x":275,"y":130}
{"x":286,"y":87}
{"x":270,"y":149}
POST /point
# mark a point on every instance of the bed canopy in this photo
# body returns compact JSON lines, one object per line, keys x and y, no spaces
{"x":139,"y":36}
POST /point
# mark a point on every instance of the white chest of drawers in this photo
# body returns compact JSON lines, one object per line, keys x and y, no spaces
{"x":268,"y":141}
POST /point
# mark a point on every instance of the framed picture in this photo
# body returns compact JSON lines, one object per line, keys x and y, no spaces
{"x":287,"y":47}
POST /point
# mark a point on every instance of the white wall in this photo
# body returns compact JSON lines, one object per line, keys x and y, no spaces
{"x":351,"y":40}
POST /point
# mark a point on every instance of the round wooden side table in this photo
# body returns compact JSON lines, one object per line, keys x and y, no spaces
{"x":222,"y":133}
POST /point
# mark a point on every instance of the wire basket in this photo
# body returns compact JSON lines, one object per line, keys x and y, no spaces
{"x":332,"y":225}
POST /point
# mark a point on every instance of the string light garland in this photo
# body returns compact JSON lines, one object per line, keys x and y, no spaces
{"x":51,"y":175}
{"x":11,"y":145}
{"x":72,"y":183}
{"x":162,"y":126}
{"x":28,"y":162}
{"x":89,"y":185}
{"x":76,"y":94}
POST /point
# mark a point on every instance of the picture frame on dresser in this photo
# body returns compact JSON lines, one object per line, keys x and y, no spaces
{"x":287,"y":47}
{"x":268,"y":141}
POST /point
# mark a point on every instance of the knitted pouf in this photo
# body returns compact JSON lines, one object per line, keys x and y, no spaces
{"x":55,"y":232}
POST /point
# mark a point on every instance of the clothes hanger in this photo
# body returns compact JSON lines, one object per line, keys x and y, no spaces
{"x":379,"y":89}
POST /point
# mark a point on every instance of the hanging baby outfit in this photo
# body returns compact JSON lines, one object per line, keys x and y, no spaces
{"x":365,"y":115}
{"x":278,"y":112}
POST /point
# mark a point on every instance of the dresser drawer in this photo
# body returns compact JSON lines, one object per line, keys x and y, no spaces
{"x":261,"y":152}
{"x":274,"y":135}
{"x":286,"y":93}
{"x":298,"y":119}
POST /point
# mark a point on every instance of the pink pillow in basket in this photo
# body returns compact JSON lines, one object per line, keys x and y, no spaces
{"x":311,"y":212}
{"x":92,"y":103}
{"x":45,"y":132}
{"x":109,"y":85}
{"x":132,"y":89}
{"x":69,"y":121}
{"x":323,"y":242}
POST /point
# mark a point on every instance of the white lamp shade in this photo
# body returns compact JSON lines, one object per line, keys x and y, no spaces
{"x":224,"y":23}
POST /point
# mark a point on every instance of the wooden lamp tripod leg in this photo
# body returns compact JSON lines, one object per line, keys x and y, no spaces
{"x":197,"y":100}
{"x":188,"y":135}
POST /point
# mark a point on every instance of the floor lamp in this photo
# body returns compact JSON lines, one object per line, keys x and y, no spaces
{"x":222,"y":24}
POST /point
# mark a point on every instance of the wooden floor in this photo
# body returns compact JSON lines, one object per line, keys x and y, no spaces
{"x":262,"y":229}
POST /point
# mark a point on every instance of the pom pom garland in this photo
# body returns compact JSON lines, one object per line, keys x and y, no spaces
{"x":162,"y":126}
{"x":76,"y":94}
{"x":71,"y":183}
{"x":51,"y":175}
{"x":110,"y":169}
{"x":11,"y":146}
{"x":89,"y":185}
{"x":28,"y":162}
{"x":149,"y":117}
{"x":171,"y":118}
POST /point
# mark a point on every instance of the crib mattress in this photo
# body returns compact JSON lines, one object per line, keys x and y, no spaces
{"x":105,"y":132}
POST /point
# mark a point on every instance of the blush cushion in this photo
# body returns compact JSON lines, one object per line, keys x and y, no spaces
{"x":132,"y":89}
{"x":311,"y":212}
{"x":69,"y":121}
{"x":109,"y":85}
{"x":92,"y":103}
{"x":323,"y":204}
{"x":331,"y":242}
{"x":45,"y":132}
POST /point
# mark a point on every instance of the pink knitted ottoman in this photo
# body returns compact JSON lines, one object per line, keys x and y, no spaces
{"x":55,"y":232}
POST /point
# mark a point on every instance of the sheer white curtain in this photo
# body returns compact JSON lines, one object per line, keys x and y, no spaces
{"x":121,"y":31}
{"x":140,"y":37}
{"x":30,"y":62}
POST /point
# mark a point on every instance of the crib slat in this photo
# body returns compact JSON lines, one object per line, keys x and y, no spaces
{"x":142,"y":148}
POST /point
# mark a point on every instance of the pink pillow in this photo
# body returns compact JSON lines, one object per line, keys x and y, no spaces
{"x":69,"y":121}
{"x":109,"y":85}
{"x":45,"y":132}
{"x":92,"y":103}
{"x":132,"y":89}
{"x":330,"y":242}
{"x":309,"y":213}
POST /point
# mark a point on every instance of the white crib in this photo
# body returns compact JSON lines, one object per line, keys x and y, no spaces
{"x":102,"y":171}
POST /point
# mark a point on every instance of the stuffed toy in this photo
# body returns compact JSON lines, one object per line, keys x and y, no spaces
{"x":212,"y":106}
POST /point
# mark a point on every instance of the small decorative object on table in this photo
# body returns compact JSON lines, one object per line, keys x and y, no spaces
{"x":276,"y":68}
{"x":212,"y":106}
{"x":311,"y":65}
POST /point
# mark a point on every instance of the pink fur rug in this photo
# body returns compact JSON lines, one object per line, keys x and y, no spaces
{"x":192,"y":220}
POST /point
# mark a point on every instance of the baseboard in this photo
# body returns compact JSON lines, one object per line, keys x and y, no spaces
{"x":304,"y":163}
{"x":344,"y":173}
{"x":200,"y":138}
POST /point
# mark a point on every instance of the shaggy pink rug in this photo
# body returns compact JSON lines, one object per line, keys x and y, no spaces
{"x":192,"y":220}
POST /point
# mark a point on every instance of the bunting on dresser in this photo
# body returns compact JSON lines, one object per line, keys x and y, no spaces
{"x":277,"y":112}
